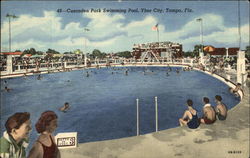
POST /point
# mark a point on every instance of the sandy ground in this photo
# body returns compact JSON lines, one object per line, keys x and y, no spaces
{"x":223,"y":139}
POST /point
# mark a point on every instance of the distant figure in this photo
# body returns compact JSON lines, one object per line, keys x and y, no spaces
{"x":65,"y":107}
{"x":87,"y":74}
{"x":170,"y":69}
{"x":25,"y":76}
{"x":209,"y":115}
{"x":177,"y":71}
{"x":39,"y":77}
{"x":167,"y":74}
{"x":126,"y":72}
{"x":7,"y":89}
{"x":45,"y":146}
{"x":15,"y":139}
{"x":190,"y":117}
{"x":5,"y":82}
{"x":221,"y":108}
{"x":236,"y":89}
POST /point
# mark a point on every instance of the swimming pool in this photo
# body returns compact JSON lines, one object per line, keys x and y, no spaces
{"x":103,"y":105}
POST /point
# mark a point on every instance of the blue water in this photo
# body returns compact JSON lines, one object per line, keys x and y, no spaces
{"x":103,"y":105}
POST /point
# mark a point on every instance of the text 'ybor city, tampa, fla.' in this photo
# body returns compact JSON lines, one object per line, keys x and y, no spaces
{"x":127,"y":10}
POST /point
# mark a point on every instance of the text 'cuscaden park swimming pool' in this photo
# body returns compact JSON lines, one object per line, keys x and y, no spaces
{"x":103,"y":105}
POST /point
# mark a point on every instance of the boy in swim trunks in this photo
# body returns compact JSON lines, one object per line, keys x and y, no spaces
{"x":209,"y":115}
{"x":221,"y":108}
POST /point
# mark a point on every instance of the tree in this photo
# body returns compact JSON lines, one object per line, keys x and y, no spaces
{"x":68,"y":53}
{"x":125,"y":54}
{"x":39,"y":52}
{"x":31,"y":51}
{"x":196,"y":50}
{"x":188,"y":54}
{"x":78,"y":51}
{"x":52,"y":51}
{"x":97,"y":53}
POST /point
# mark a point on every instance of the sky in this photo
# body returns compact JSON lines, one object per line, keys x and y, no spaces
{"x":39,"y":24}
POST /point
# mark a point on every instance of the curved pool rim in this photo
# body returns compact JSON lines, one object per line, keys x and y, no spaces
{"x":230,"y":83}
{"x":220,"y":78}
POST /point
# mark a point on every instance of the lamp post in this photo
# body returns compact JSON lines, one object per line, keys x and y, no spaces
{"x":10,"y":16}
{"x":201,"y":54}
{"x":85,"y":56}
{"x":201,"y":33}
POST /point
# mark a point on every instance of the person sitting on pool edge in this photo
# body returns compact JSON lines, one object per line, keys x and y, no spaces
{"x":236,"y":89}
{"x":221,"y":108}
{"x":65,"y":107}
{"x":209,"y":115}
{"x":190,"y":117}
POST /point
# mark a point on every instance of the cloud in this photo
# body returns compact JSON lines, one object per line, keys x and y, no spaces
{"x":113,"y":32}
{"x":214,"y":33}
{"x":104,"y":25}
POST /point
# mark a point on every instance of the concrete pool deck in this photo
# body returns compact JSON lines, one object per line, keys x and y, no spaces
{"x":223,"y":139}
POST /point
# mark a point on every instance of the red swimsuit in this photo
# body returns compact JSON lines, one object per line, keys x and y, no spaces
{"x":49,"y":152}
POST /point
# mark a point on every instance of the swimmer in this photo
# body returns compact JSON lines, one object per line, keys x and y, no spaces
{"x":39,"y":77}
{"x":170,"y":69}
{"x":87,"y":74}
{"x":7,"y":89}
{"x":65,"y":108}
{"x":126,"y":72}
{"x":167,"y":74}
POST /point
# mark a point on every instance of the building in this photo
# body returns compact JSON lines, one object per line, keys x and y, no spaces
{"x":224,"y":52}
{"x":161,"y":49}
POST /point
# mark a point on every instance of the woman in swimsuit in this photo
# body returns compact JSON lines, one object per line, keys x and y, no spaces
{"x":190,"y":117}
{"x":45,"y":146}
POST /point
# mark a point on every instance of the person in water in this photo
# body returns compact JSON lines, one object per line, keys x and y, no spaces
{"x":126,"y":72}
{"x":65,"y":107}
{"x":190,"y":116}
{"x":39,"y":77}
{"x":209,"y":115}
{"x":45,"y":146}
{"x":221,"y":108}
{"x":87,"y":74}
{"x":15,"y":138}
{"x":7,"y":89}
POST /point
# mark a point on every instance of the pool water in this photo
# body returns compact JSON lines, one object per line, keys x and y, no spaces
{"x":103,"y":105}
